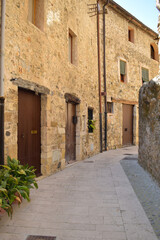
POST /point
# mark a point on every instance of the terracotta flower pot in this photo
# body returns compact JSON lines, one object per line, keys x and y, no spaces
{"x":2,"y":212}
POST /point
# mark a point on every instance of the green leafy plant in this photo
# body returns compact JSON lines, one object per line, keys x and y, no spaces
{"x":91,"y":125}
{"x":16,"y":180}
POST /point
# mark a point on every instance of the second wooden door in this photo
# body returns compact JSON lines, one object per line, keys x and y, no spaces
{"x":127,"y":124}
{"x":70,"y":132}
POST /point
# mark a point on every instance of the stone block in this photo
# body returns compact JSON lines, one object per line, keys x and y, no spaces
{"x":56,"y":155}
{"x":61,"y":130}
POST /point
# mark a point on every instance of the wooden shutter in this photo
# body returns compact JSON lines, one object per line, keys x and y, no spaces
{"x":145,"y":75}
{"x":122,"y":67}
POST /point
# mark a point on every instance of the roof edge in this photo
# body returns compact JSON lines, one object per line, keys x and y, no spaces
{"x":130,"y":17}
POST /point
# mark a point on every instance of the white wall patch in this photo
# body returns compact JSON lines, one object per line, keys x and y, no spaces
{"x":53,"y":17}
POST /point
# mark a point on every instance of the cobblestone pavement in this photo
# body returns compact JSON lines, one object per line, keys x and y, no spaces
{"x":146,"y":189}
{"x":90,"y":200}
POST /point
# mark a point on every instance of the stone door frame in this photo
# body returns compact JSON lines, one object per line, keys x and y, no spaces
{"x":73,"y":99}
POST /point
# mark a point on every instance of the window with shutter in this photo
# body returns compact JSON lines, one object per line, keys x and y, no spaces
{"x":122,"y":71}
{"x":145,"y":75}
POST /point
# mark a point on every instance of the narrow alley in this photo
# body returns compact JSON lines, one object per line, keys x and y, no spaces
{"x":89,"y":200}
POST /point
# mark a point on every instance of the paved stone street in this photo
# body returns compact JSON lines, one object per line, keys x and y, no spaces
{"x":90,"y":200}
{"x":147,"y":190}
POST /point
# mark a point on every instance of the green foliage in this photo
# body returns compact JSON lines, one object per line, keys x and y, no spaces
{"x":16,"y":180}
{"x":91,"y":124}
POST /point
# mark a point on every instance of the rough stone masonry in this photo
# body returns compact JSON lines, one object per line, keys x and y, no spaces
{"x":149,"y":127}
{"x":149,"y":123}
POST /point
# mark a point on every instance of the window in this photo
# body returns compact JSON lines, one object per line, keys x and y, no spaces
{"x":131,"y":34}
{"x":145,"y":75}
{"x":36,"y":13}
{"x":72,"y":47}
{"x":90,"y":120}
{"x":154,"y":51}
{"x":109,"y":107}
{"x":123,"y":75}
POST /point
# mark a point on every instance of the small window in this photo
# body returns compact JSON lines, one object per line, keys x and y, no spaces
{"x":152,"y":52}
{"x":72,"y":48}
{"x":36,"y":13}
{"x":131,"y":35}
{"x":90,"y":120}
{"x":109,"y":107}
{"x":145,"y":75}
{"x":123,"y":75}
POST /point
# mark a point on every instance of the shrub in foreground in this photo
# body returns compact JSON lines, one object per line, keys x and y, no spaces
{"x":16,"y":180}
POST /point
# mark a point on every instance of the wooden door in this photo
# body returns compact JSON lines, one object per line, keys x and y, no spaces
{"x":71,"y":132}
{"x":127,"y":124}
{"x":29,"y":143}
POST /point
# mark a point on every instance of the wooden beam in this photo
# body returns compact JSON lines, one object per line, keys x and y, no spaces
{"x":71,"y":98}
{"x":124,"y":101}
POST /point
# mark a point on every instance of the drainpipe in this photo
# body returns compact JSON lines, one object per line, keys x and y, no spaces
{"x":99,"y":76}
{"x":3,"y":7}
{"x":104,"y":74}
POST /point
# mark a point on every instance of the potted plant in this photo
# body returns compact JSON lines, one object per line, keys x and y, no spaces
{"x":16,"y":180}
{"x":91,"y":125}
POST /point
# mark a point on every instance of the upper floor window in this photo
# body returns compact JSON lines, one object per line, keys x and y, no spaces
{"x":154,"y":51}
{"x":145,"y":75}
{"x":123,"y":71}
{"x":36,"y":13}
{"x":72,"y":47}
{"x":131,"y":34}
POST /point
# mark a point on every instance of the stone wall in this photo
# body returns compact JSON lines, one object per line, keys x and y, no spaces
{"x":41,"y":58}
{"x":149,"y":127}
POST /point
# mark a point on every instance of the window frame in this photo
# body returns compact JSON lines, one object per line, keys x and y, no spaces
{"x":152,"y":52}
{"x":154,"y":55}
{"x":145,"y":68}
{"x":72,"y":47}
{"x":112,"y":107}
{"x":36,"y":8}
{"x":90,"y":117}
{"x":130,"y":34}
{"x":70,"y":39}
{"x":125,"y":76}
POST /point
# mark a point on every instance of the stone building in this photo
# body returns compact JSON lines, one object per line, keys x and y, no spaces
{"x":51,"y":84}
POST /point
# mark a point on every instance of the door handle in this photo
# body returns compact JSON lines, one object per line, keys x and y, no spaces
{"x":125,"y":129}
